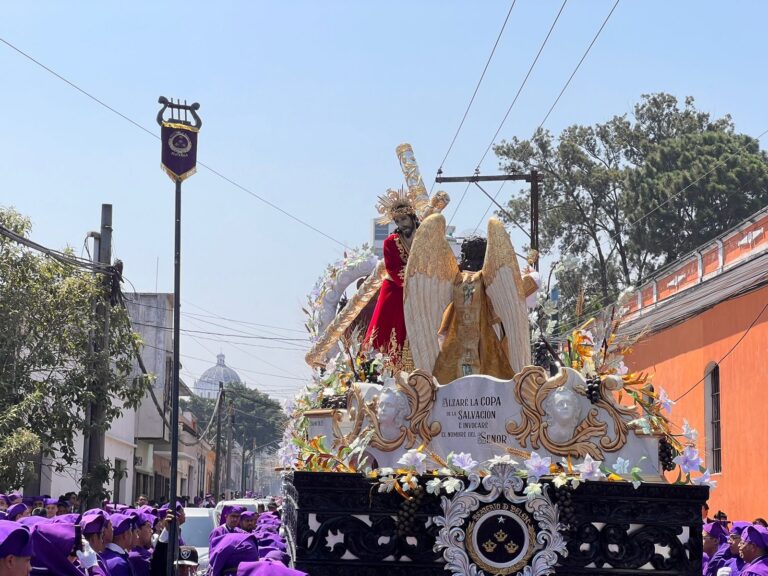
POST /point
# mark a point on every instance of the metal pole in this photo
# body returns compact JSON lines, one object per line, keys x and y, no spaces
{"x":173,"y":540}
{"x":217,"y":474}
{"x":96,"y":439}
{"x":230,"y":438}
{"x":535,"y":215}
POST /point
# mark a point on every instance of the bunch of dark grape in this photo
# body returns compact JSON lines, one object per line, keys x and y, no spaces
{"x":667,"y":453}
{"x":541,"y":356}
{"x":337,"y":402}
{"x":564,"y":497}
{"x":406,"y":516}
{"x":593,"y":388}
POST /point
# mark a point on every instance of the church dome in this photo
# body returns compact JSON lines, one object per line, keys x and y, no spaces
{"x":209,"y":381}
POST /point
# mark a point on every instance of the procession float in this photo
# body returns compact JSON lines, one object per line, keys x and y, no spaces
{"x":435,"y":439}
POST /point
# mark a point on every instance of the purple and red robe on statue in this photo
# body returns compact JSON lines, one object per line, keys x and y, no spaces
{"x":388,"y":316}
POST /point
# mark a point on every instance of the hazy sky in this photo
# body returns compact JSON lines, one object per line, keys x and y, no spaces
{"x":303,"y":103}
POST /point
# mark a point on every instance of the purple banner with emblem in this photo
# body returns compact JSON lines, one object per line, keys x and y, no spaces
{"x":179,"y":143}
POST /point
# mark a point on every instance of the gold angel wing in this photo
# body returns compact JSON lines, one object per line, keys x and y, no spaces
{"x":429,"y":278}
{"x":504,"y":287}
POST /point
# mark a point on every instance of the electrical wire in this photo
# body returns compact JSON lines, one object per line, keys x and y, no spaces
{"x":233,"y":367}
{"x":151,"y":133}
{"x":727,"y":354}
{"x":509,"y":110}
{"x":267,"y":362}
{"x":560,"y":95}
{"x":525,"y":80}
{"x":227,"y":335}
{"x":477,"y":87}
{"x":61,"y":257}
{"x":200,"y":317}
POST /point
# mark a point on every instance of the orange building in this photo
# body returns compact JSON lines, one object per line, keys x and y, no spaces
{"x":706,"y":344}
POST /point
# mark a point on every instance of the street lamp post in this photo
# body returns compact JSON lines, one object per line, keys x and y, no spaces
{"x":179,"y":158}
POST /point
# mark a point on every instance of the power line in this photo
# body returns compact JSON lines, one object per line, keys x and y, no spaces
{"x":562,"y":91}
{"x":233,"y":367}
{"x":525,"y":80}
{"x":514,"y":101}
{"x":477,"y":87}
{"x":228,"y":335}
{"x":61,"y":257}
{"x":583,"y":57}
{"x":268,"y":363}
{"x":213,"y":315}
{"x":752,"y":324}
{"x":142,"y":128}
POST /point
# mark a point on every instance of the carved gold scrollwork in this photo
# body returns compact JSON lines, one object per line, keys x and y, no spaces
{"x":420,"y":389}
{"x":533,"y":388}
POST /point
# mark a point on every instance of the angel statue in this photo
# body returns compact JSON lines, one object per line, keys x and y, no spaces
{"x":470,"y":321}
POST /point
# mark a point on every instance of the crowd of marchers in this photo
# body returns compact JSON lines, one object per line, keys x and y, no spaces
{"x":734,"y":548}
{"x":120,"y":540}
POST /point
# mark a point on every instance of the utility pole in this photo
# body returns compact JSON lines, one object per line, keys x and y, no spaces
{"x":533,"y":177}
{"x":97,"y":423}
{"x":230,"y":439}
{"x":534,"y":180}
{"x":243,"y":469}
{"x":217,"y":474}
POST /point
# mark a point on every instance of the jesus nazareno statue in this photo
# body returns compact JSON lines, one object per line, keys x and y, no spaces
{"x":388,"y":318}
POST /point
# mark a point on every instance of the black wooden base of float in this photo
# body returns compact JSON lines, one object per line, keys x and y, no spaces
{"x":340,"y":525}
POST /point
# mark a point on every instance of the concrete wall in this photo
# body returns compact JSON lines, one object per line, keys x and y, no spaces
{"x":678,"y":359}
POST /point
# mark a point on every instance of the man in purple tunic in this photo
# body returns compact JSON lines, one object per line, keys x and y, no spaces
{"x":15,"y":549}
{"x":754,"y":550}
{"x":229,"y":523}
{"x":229,"y":550}
{"x":715,"y":545}
{"x":733,"y":559}
{"x":54,"y":549}
{"x":266,"y":569}
{"x":115,"y":554}
{"x":92,"y":527}
{"x":141,"y":555}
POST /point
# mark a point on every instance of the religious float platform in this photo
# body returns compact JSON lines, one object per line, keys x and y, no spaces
{"x":447,"y":452}
{"x":339,"y":525}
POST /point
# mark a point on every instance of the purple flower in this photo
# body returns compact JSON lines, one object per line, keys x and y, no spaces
{"x":415,"y":460}
{"x":665,"y":401}
{"x":688,"y":460}
{"x":537,"y":466}
{"x":705,"y":480}
{"x":590,"y":469}
{"x":464,"y":461}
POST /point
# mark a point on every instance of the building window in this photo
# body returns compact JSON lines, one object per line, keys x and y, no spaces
{"x":712,"y":413}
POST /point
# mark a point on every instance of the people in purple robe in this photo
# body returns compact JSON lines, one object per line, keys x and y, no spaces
{"x":754,"y":550}
{"x":54,"y":549}
{"x":141,"y":555}
{"x":15,"y":548}
{"x":247,"y":521}
{"x":92,"y":527}
{"x":733,"y":559}
{"x":229,"y":523}
{"x":229,"y":550}
{"x":267,"y":569}
{"x":715,"y":545}
{"x":16,"y":511}
{"x":115,"y":553}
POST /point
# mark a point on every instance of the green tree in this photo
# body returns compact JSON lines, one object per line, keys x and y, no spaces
{"x":598,"y":180}
{"x":724,"y":179}
{"x":259,"y":419}
{"x":47,"y":369}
